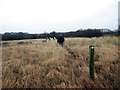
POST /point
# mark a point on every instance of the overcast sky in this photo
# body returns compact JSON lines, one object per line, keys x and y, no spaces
{"x":38,"y":16}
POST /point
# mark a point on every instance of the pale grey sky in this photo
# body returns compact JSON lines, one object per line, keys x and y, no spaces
{"x":119,"y":13}
{"x":38,"y":16}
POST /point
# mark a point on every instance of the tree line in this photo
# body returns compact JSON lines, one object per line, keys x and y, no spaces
{"x":79,"y":33}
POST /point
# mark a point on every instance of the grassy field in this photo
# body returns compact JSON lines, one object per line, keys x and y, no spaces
{"x":37,"y":64}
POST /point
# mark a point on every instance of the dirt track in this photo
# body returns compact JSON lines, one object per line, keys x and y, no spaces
{"x":72,"y":53}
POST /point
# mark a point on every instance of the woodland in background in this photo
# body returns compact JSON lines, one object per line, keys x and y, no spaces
{"x":79,"y":33}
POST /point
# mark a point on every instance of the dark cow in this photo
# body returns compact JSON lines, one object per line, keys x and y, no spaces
{"x":60,"y":40}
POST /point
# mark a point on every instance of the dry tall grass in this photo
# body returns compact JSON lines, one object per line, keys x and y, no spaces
{"x":48,"y":65}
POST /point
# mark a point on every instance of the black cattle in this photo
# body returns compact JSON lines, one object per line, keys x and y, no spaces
{"x":60,"y":40}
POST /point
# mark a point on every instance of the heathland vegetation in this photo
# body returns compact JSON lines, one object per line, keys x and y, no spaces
{"x":33,"y":63}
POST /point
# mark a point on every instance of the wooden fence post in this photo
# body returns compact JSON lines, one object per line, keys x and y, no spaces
{"x":91,"y":48}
